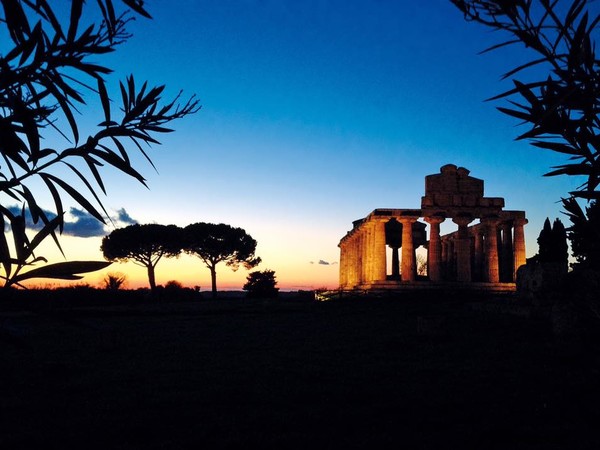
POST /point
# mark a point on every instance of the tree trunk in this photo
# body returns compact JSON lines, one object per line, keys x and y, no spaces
{"x":151,"y":278}
{"x":213,"y":279}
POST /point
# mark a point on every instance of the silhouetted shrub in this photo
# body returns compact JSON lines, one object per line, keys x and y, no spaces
{"x":114,"y":281}
{"x":173,"y":285}
{"x":261,"y":284}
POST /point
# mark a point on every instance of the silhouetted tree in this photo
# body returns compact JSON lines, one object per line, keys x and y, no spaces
{"x":561,"y":104}
{"x":215,"y":243}
{"x":544,"y":241}
{"x":584,"y":233}
{"x":261,"y":284}
{"x":145,"y":245}
{"x":48,"y":61}
{"x":552,"y":243}
{"x":559,"y":241}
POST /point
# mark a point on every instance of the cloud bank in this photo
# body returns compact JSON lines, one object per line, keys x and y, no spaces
{"x":79,"y":223}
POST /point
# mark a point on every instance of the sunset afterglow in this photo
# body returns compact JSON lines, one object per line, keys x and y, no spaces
{"x":313,"y":115}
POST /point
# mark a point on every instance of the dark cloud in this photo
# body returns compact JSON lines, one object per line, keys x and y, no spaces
{"x":124,"y":217}
{"x":84,"y":225}
{"x":78,"y":223}
{"x":17,"y":211}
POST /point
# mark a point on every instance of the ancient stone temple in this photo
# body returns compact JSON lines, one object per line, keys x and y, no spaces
{"x":485,"y":251}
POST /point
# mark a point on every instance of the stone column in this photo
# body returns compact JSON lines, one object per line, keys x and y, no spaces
{"x":378,"y":258}
{"x":478,"y":249}
{"x":434,"y":253}
{"x":351,"y":261}
{"x":359,"y":257}
{"x":366,"y":252}
{"x":444,"y":257}
{"x":463,"y":249}
{"x":500,"y":254}
{"x":491,"y":249}
{"x":507,"y":271}
{"x":408,"y":253}
{"x":343,"y":276}
{"x":519,"y":245}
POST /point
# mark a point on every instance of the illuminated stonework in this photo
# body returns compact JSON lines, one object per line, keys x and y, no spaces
{"x":487,"y":253}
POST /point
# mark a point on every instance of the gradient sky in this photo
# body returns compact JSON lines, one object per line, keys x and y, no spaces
{"x":314,"y":113}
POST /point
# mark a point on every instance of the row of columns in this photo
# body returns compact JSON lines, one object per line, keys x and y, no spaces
{"x":491,"y":251}
{"x":474,"y":250}
{"x":365,"y":255}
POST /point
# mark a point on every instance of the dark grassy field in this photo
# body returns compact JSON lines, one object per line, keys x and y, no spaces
{"x":403,"y":372}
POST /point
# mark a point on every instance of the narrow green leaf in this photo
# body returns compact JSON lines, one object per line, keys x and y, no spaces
{"x":5,"y":259}
{"x":34,"y":209}
{"x":92,"y":163}
{"x":55,"y":196}
{"x":112,"y":159}
{"x":138,"y":7}
{"x":522,"y":67}
{"x":518,"y":114}
{"x":63,"y":271}
{"x":65,"y":107}
{"x":46,"y":231}
{"x":557,"y":147}
{"x":76,"y":9}
{"x":104,"y":99}
{"x":77,"y":197}
{"x":87,"y":183}
{"x":515,"y":90}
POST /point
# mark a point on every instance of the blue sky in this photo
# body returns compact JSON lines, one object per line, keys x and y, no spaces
{"x":314,"y":113}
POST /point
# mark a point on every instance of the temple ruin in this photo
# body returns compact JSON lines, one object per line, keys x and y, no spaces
{"x":485,"y":252}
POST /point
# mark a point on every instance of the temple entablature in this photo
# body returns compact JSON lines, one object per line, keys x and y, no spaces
{"x":487,"y":247}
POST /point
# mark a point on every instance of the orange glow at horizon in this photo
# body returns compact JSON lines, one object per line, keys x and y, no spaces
{"x":190,"y":271}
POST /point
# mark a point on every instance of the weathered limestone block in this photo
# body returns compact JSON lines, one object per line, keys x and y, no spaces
{"x":442,"y":199}
{"x":451,"y":187}
{"x":426,"y":201}
{"x":470,"y":200}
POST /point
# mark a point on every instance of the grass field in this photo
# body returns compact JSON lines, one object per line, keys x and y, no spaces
{"x":403,"y":372}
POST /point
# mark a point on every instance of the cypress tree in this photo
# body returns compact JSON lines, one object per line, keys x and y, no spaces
{"x":545,"y":242}
{"x":560,"y":249}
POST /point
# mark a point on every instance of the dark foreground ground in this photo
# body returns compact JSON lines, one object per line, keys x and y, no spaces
{"x":403,"y":372}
